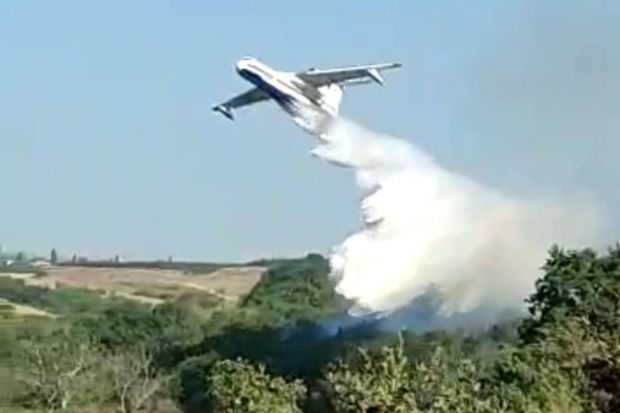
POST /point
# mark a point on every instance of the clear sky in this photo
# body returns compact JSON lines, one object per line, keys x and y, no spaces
{"x":108,"y":143}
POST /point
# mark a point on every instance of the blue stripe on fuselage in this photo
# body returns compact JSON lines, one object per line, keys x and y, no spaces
{"x":273,"y":91}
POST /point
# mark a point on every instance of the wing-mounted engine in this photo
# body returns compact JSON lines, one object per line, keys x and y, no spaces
{"x":331,"y":95}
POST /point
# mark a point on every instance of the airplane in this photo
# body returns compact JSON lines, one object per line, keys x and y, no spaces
{"x":311,"y":97}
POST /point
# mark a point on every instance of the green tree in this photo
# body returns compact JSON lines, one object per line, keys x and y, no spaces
{"x":385,"y":381}
{"x":295,"y":291}
{"x":446,"y":383}
{"x":547,"y":376}
{"x":377,"y":382}
{"x":191,"y":376}
{"x":239,"y":387}
{"x":575,"y":283}
{"x":574,"y":326}
{"x":574,"y":368}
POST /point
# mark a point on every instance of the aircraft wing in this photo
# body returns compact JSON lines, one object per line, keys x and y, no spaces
{"x":253,"y":95}
{"x":346,"y":75}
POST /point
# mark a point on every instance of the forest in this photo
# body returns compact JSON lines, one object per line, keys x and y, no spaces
{"x":277,"y":350}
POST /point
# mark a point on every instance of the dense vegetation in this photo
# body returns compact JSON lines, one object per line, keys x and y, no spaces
{"x":273,"y":352}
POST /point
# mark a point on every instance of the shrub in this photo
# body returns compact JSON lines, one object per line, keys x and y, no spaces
{"x":239,"y":387}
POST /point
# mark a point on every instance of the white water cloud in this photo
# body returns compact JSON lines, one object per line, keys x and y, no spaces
{"x":426,"y":228}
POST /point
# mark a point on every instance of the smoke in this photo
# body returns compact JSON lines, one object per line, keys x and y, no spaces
{"x":428,"y":232}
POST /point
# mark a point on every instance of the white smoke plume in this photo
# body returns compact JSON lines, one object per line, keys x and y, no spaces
{"x":427,"y":229}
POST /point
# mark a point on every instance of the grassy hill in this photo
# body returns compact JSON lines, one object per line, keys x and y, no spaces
{"x":150,"y":285}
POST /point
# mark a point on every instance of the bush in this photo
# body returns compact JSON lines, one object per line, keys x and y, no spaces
{"x":575,"y":368}
{"x":59,"y":371}
{"x":376,"y":382}
{"x":239,"y":387}
{"x":385,"y":381}
{"x":295,"y":291}
{"x":575,"y":284}
{"x":574,"y":326}
{"x":137,"y":383}
{"x":65,"y":301}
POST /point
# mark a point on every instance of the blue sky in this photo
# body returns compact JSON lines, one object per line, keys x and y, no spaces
{"x":108,"y":144}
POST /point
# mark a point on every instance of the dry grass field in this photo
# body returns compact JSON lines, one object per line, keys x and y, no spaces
{"x":150,"y":285}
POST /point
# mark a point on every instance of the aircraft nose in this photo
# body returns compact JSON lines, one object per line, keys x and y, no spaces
{"x":240,"y":66}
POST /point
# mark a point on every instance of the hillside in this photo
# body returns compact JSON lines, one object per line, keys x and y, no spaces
{"x":228,"y":283}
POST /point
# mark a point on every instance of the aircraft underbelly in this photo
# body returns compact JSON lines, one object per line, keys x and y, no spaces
{"x":312,"y":116}
{"x":305,"y":113}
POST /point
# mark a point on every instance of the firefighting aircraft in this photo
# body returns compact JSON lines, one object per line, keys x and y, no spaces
{"x":312,"y":97}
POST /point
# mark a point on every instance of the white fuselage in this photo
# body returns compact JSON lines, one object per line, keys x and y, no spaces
{"x":310,"y":107}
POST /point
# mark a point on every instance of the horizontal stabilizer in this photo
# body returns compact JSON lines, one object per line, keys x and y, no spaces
{"x":374,"y":74}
